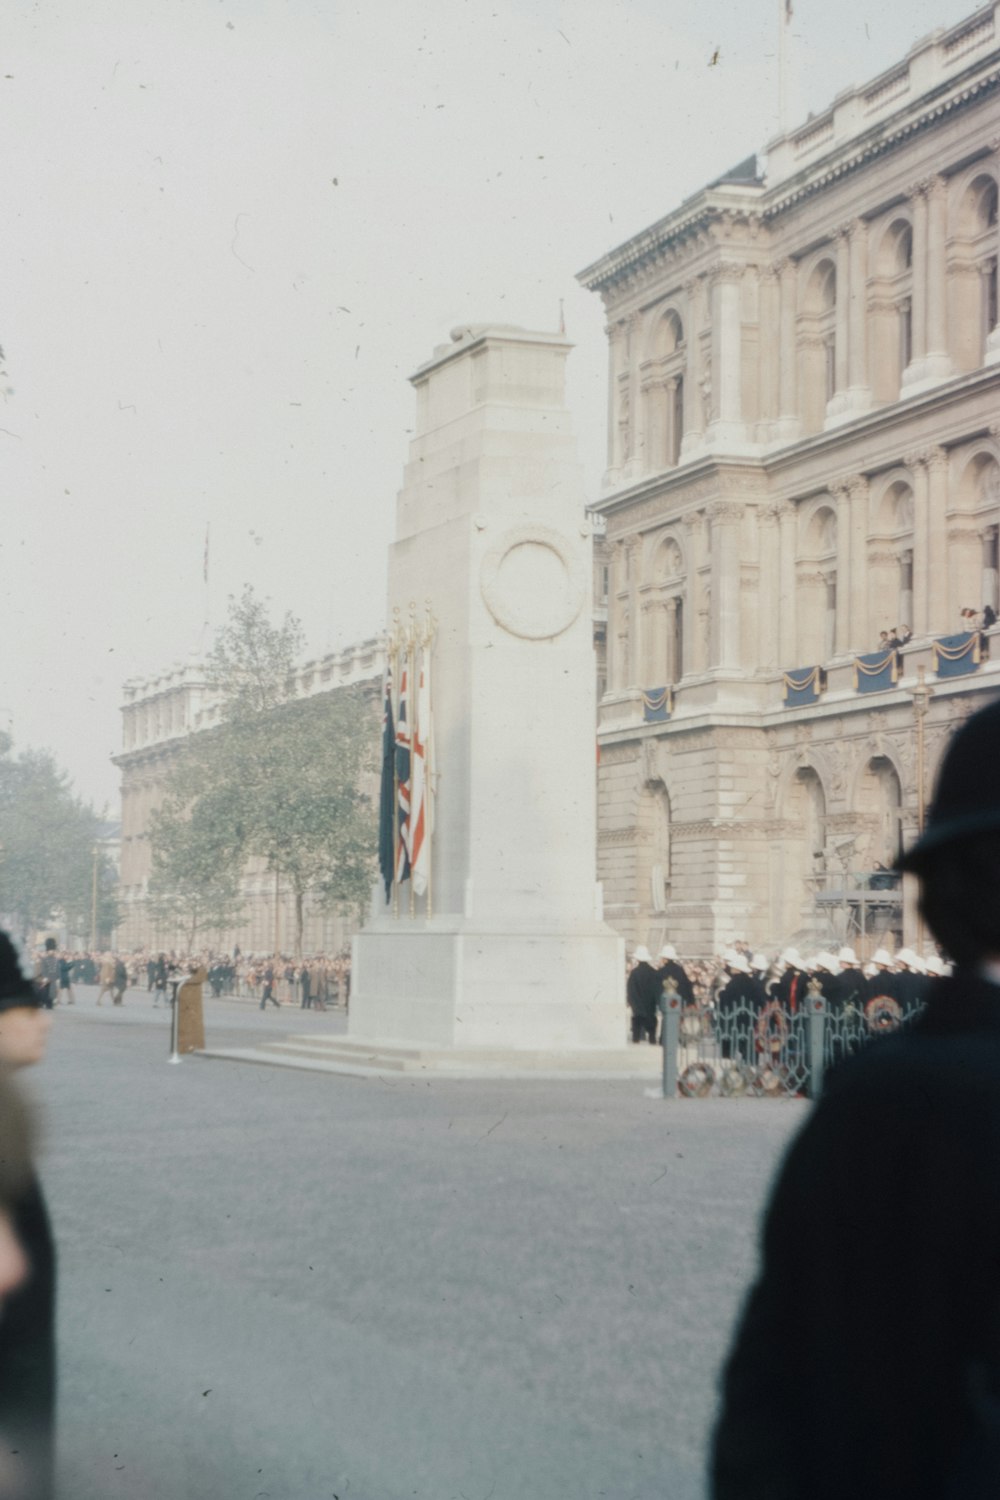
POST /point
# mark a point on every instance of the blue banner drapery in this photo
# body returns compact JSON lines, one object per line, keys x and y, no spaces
{"x":657,"y":705}
{"x":803,"y":686}
{"x":957,"y":655}
{"x":876,"y":671}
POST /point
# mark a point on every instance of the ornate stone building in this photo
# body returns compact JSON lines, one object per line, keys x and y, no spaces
{"x":158,"y":714}
{"x":804,"y":453}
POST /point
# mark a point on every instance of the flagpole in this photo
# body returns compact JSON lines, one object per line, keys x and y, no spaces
{"x":394,"y":663}
{"x":784,"y":17}
{"x":429,"y":764}
{"x":412,"y":668}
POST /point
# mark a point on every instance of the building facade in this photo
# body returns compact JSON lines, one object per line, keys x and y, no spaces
{"x":158,"y":716}
{"x":803,"y":464}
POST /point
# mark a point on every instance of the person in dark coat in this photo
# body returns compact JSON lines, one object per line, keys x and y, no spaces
{"x":27,"y":1322}
{"x":643,"y":989}
{"x":867,"y":1357}
{"x":671,"y":968}
{"x":739,"y":1002}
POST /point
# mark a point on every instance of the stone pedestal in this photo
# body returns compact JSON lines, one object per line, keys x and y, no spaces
{"x":507,"y":949}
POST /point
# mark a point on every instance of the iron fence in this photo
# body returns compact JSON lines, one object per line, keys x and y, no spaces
{"x":769,"y":1051}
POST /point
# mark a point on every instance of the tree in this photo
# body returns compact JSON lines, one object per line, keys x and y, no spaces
{"x":280,"y":779}
{"x":189,"y":888}
{"x":48,"y":848}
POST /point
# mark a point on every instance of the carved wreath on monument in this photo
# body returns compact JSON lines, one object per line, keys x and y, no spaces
{"x":533,"y":582}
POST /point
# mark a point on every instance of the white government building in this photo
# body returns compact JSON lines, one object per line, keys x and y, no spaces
{"x":803,"y":425}
{"x":803,"y":453}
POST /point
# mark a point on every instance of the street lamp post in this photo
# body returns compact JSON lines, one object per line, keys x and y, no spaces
{"x":921,"y":703}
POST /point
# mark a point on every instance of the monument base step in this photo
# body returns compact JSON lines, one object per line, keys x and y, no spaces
{"x":324,"y":1054}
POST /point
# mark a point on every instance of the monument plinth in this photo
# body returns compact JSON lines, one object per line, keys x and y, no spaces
{"x":507,"y":949}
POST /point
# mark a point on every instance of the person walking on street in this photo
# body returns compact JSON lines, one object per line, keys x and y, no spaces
{"x":27,"y":1321}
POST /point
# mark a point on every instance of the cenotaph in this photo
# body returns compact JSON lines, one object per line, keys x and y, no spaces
{"x":506,"y":949}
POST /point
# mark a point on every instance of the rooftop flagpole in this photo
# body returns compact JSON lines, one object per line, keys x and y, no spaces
{"x":784,"y":23}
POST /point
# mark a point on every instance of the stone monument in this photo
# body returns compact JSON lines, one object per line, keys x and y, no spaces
{"x":507,"y":948}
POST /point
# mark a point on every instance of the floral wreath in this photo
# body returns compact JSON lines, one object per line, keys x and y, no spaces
{"x":883,"y":1013}
{"x":735,"y":1079}
{"x":771,"y":1029}
{"x":696,"y":1081}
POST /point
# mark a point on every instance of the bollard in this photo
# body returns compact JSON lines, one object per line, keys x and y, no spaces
{"x":670,"y":1035}
{"x":175,"y":1055}
{"x":817,"y":1028}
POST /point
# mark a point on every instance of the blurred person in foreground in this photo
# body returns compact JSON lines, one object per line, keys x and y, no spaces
{"x":867,"y":1357}
{"x":27,"y":1312}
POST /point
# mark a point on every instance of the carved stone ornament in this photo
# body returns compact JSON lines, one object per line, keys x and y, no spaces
{"x":533,"y":582}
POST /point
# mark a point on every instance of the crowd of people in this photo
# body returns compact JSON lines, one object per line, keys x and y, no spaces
{"x":740,"y":979}
{"x":315,"y":982}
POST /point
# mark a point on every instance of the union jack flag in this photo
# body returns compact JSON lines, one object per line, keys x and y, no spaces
{"x":419,"y":808}
{"x":403,"y":784}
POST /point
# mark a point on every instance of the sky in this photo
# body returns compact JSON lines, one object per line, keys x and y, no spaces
{"x":232,"y":229}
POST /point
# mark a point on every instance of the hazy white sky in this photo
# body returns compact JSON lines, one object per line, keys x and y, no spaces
{"x":229,"y":231}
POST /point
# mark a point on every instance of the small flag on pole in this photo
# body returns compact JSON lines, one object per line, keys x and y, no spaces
{"x":419,"y":831}
{"x":387,"y":789}
{"x":403,"y":784}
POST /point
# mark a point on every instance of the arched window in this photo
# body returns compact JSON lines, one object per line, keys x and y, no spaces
{"x":818,"y":343}
{"x":974,"y":253}
{"x":665,"y":606}
{"x":817,"y":586}
{"x":892,"y":323}
{"x":890,"y":562}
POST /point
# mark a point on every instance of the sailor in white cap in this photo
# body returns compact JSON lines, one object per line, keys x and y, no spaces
{"x":671,"y":968}
{"x":642,"y":994}
{"x":739,"y":1002}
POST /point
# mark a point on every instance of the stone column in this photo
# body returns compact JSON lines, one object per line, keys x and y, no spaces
{"x":668,"y":629}
{"x":671,"y":445}
{"x":857,"y":602}
{"x":843,"y":319}
{"x":788,"y":643}
{"x":991,"y":585}
{"x":616,"y":340}
{"x":726,"y":589}
{"x":842,"y":635}
{"x":939,"y":365}
{"x":857,"y":376}
{"x":695,"y":526}
{"x":727,"y":353}
{"x":830,"y":613}
{"x":617,"y":602}
{"x":769,"y":602}
{"x":694,"y":416}
{"x":906,"y":587}
{"x":632,"y":552}
{"x":922,"y":565}
{"x":936,"y":541}
{"x":789,"y":424}
{"x":769,"y":351}
{"x":918,"y":323}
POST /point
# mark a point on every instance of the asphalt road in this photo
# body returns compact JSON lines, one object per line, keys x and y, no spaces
{"x":280,"y":1284}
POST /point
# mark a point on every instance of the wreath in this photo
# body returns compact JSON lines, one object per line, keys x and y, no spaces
{"x":883,"y":1013}
{"x":769,"y":1081}
{"x":771,"y":1029}
{"x":735,"y":1079}
{"x":696,"y":1081}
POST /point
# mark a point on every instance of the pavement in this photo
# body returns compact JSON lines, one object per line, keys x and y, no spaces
{"x":284,"y":1284}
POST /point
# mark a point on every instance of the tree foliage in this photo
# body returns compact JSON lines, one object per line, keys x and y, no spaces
{"x":280,"y":780}
{"x":48,"y":839}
